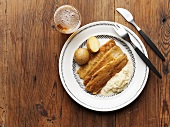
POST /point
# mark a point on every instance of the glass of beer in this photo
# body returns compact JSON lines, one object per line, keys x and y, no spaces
{"x":67,"y":19}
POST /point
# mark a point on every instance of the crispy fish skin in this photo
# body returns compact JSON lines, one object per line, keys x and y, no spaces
{"x":112,"y":54}
{"x":94,"y":59}
{"x":100,"y":78}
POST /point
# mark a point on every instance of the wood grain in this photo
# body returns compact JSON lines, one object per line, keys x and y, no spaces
{"x":31,"y":93}
{"x":3,"y":63}
{"x":165,"y":46}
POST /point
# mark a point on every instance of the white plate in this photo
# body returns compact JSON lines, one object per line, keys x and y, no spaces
{"x":73,"y":84}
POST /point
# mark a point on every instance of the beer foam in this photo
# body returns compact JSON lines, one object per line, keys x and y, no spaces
{"x":67,"y":17}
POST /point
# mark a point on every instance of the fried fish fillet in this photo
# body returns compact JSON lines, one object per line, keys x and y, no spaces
{"x":94,"y":59}
{"x":112,"y":54}
{"x":100,"y":78}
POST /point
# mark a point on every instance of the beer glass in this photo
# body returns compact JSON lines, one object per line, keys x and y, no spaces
{"x":67,"y":19}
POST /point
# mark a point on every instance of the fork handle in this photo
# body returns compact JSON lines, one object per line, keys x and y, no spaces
{"x":147,"y":62}
{"x":151,"y":44}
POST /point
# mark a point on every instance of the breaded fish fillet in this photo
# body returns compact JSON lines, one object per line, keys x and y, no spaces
{"x":100,"y":78}
{"x":112,"y":54}
{"x":94,"y":59}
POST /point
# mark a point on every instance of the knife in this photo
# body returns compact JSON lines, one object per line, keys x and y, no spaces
{"x":128,"y":16}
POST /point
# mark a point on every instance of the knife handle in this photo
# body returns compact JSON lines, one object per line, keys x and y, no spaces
{"x":151,"y":44}
{"x":147,"y":62}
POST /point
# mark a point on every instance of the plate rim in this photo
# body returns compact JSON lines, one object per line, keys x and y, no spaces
{"x":85,"y":105}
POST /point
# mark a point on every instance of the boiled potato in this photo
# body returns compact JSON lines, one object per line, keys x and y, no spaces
{"x":93,"y":44}
{"x":81,"y":56}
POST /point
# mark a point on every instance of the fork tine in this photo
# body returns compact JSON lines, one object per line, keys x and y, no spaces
{"x":116,"y":24}
{"x":115,"y":28}
{"x":118,"y":30}
{"x":121,"y":28}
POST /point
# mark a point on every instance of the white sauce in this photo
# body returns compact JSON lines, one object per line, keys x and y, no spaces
{"x":118,"y":82}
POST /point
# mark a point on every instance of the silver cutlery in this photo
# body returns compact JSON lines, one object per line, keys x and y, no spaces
{"x":124,"y":35}
{"x":128,"y":16}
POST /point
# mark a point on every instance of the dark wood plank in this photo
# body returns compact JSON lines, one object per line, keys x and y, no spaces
{"x":163,"y":43}
{"x":32,"y":59}
{"x":3,"y":63}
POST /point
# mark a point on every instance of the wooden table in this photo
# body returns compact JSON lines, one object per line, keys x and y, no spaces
{"x":31,"y":93}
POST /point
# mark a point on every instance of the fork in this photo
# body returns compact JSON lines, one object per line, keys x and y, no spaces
{"x":125,"y":36}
